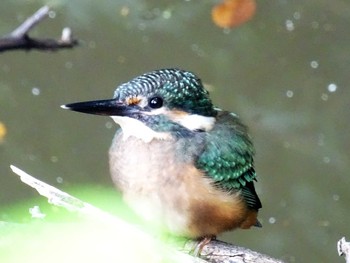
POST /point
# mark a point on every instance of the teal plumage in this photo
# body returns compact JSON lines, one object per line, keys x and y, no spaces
{"x":228,"y":158}
{"x":181,"y":90}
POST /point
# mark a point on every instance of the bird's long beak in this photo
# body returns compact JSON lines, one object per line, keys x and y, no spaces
{"x":103,"y":107}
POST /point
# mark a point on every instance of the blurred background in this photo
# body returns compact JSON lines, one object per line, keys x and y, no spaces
{"x":284,"y":72}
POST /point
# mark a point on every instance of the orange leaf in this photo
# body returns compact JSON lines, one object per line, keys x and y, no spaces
{"x":232,"y":13}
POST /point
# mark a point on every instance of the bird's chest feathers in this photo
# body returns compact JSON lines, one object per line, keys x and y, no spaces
{"x":161,"y":183}
{"x":151,"y":178}
{"x":141,"y":166}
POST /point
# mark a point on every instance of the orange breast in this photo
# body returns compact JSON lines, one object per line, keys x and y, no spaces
{"x":214,"y":211}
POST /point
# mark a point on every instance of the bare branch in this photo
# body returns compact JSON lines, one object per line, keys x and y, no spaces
{"x":19,"y":38}
{"x":60,"y":198}
{"x":30,"y":22}
{"x":218,"y":251}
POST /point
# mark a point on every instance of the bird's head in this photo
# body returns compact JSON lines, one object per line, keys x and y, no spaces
{"x":157,"y":104}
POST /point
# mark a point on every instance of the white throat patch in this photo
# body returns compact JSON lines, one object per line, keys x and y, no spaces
{"x":133,"y":127}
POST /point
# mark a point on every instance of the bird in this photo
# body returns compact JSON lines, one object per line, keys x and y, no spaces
{"x":177,"y":159}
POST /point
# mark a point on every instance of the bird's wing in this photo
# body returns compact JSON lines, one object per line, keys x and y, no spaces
{"x":227,"y":158}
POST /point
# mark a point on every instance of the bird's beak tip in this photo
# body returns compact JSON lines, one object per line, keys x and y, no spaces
{"x":65,"y":107}
{"x":100,"y":107}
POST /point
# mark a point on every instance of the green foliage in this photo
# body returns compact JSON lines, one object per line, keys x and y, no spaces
{"x":63,"y":236}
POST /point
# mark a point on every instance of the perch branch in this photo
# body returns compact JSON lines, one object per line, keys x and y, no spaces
{"x":60,"y":198}
{"x":216,"y":251}
{"x":19,"y":38}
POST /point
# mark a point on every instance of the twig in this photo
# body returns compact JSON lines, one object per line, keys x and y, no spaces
{"x":30,"y":22}
{"x":215,"y":251}
{"x":60,"y":198}
{"x":19,"y":38}
{"x":344,"y":249}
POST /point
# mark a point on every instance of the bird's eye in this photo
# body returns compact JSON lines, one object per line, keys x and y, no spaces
{"x":155,"y":102}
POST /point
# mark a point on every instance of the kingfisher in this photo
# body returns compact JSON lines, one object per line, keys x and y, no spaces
{"x":177,"y":159}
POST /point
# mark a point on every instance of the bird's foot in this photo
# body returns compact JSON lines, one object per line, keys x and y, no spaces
{"x":202,"y":242}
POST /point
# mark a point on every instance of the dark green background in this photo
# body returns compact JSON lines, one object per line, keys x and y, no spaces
{"x":264,"y":71}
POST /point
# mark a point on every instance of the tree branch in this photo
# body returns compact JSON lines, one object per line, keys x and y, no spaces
{"x":30,"y":22}
{"x":218,"y":251}
{"x":215,"y":251}
{"x":19,"y":38}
